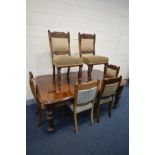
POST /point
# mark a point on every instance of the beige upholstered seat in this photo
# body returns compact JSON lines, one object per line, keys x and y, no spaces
{"x":82,"y":108}
{"x":85,"y":95}
{"x":94,"y":59}
{"x":87,"y":47}
{"x":108,"y":90}
{"x":65,"y":61}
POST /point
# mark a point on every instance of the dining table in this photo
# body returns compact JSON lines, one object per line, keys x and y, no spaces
{"x":51,"y":96}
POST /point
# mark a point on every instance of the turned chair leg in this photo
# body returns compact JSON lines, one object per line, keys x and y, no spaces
{"x":68,"y":71}
{"x":91,"y":117}
{"x":59,"y":77}
{"x":75,"y":122}
{"x":110,"y":108}
{"x":80,"y":74}
{"x":90,"y":68}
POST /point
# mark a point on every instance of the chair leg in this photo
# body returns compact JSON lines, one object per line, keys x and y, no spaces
{"x":39,"y":115}
{"x":59,"y":77}
{"x":75,"y":122}
{"x":90,"y":67}
{"x":68,"y":71}
{"x":110,"y":108}
{"x":98,"y":112}
{"x":53,"y":72}
{"x":91,"y":117}
{"x":80,"y":74}
{"x":118,"y":96}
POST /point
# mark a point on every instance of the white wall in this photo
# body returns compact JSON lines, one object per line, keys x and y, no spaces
{"x":108,"y":19}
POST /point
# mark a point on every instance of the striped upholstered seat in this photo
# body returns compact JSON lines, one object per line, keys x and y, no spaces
{"x":85,"y":95}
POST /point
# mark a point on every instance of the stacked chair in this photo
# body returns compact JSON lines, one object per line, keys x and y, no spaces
{"x":61,"y":57}
{"x":87,"y":52}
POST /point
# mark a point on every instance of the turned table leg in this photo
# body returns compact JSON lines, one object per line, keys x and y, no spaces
{"x":50,"y":121}
{"x":118,"y":96}
{"x":80,"y":74}
{"x":90,"y":67}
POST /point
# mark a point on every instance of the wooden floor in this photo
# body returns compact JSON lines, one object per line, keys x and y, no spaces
{"x":48,"y":86}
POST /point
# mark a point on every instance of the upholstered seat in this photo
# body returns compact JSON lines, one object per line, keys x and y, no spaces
{"x":94,"y":59}
{"x":81,"y":108}
{"x":105,"y":100}
{"x":66,"y":61}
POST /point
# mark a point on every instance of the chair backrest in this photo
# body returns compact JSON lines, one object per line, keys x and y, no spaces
{"x":34,"y":89}
{"x":86,"y":43}
{"x":111,"y":71}
{"x":109,"y":86}
{"x":59,"y":43}
{"x":86,"y":92}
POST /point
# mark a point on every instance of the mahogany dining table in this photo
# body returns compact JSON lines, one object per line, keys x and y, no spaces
{"x":51,"y":97}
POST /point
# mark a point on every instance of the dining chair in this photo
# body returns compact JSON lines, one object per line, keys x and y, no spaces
{"x":112,"y":71}
{"x":61,"y":57}
{"x":84,"y":97}
{"x":108,"y":89}
{"x":87,"y":52}
{"x":35,"y":93}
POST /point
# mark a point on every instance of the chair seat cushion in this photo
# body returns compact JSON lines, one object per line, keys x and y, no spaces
{"x":66,"y":61}
{"x":81,"y":108}
{"x":106,"y":100}
{"x":94,"y":59}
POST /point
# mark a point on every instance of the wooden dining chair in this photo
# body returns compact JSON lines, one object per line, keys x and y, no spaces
{"x":112,"y":71}
{"x":108,"y":89}
{"x":87,"y":52}
{"x":35,"y":93}
{"x":85,"y":95}
{"x":61,"y":57}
